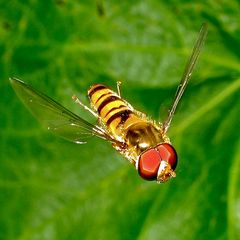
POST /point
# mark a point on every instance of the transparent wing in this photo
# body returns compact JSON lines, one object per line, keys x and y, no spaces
{"x":186,"y":74}
{"x":54,"y":116}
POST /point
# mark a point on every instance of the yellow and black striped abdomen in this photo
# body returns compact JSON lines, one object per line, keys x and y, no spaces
{"x":115,"y":113}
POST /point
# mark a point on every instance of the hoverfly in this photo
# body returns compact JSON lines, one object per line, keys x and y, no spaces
{"x":139,"y":139}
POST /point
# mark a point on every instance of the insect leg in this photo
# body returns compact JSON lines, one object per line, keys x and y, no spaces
{"x":76,"y":99}
{"x":119,"y":83}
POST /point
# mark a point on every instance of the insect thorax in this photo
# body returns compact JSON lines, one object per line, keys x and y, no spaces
{"x":142,"y":136}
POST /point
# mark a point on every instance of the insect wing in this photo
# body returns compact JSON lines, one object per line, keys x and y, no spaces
{"x":186,"y":74}
{"x":54,"y":116}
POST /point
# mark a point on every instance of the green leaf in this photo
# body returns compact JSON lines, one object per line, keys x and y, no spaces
{"x":53,"y":189}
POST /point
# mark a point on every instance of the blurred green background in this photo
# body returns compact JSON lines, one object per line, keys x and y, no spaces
{"x":53,"y":189}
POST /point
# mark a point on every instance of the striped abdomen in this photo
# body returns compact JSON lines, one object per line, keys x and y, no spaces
{"x":122,"y":121}
{"x":115,"y":113}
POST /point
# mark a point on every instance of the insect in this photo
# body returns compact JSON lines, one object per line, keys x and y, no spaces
{"x":141,"y":140}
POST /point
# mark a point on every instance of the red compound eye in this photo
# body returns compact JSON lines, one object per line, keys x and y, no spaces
{"x":168,"y":154}
{"x":148,"y":164}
